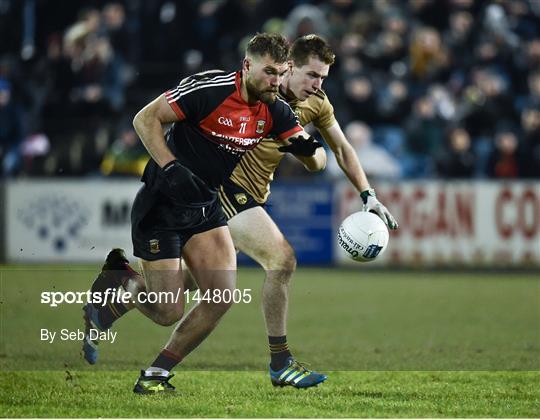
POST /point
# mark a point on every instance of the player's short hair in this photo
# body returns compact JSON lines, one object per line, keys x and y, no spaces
{"x":310,"y":46}
{"x":275,"y":45}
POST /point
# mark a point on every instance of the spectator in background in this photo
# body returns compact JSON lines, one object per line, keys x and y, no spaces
{"x":530,"y":123}
{"x":90,"y":18}
{"x":424,"y":138}
{"x":394,"y":21}
{"x":98,"y":87}
{"x":345,"y":16}
{"x":115,"y":28}
{"x":387,"y":46}
{"x":479,"y":61}
{"x":444,"y":103}
{"x":392,"y":102}
{"x":483,"y":103}
{"x":428,"y":57}
{"x":534,"y":87}
{"x":430,"y":12}
{"x":360,"y":98}
{"x":34,"y":151}
{"x":459,"y":39}
{"x":306,"y":19}
{"x":376,"y":161}
{"x":525,"y":61}
{"x":57,"y":80}
{"x":496,"y":25}
{"x":127,"y":155}
{"x":506,"y":160}
{"x":533,"y":54}
{"x":457,"y":158}
{"x":11,"y":130}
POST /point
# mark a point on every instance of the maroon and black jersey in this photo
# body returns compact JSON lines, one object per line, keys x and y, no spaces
{"x":216,"y":126}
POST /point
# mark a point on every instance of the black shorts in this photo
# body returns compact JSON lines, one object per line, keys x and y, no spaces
{"x":234,"y":199}
{"x":159,"y":228}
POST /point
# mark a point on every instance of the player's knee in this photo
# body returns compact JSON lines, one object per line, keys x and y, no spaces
{"x":222,"y":305}
{"x":136,"y":288}
{"x":280,"y":258}
{"x":166,"y":320}
{"x":168,"y":316}
{"x":285,"y":257}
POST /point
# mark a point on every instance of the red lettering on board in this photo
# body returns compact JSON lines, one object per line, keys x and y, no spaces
{"x":503,"y":199}
{"x":528,"y":206}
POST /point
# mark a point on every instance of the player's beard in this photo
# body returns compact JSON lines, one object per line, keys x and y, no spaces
{"x":267,"y":96}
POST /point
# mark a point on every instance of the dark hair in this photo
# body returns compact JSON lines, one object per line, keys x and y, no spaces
{"x":275,"y":45}
{"x":310,"y":46}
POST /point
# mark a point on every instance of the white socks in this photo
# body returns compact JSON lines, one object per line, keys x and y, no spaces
{"x":155,"y":371}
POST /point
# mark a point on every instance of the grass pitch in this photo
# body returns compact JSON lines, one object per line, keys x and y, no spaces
{"x":394,"y":345}
{"x":249,"y":394}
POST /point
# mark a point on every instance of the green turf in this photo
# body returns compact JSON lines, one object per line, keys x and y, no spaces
{"x":249,"y":394}
{"x":378,"y":333}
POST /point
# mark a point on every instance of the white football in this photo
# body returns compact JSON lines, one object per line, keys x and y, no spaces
{"x":363,"y":236}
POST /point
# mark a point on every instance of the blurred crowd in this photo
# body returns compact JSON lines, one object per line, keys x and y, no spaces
{"x":422,"y":88}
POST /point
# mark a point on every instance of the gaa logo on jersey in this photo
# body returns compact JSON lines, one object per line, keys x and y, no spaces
{"x":260,"y":126}
{"x":225,"y":121}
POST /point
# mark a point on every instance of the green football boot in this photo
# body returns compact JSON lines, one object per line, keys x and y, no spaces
{"x":153,"y":384}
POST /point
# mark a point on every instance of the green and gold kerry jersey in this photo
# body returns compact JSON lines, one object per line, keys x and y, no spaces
{"x":255,"y":171}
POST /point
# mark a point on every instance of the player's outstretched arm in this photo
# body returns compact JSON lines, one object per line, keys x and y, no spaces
{"x":307,"y":150}
{"x":348,"y":162}
{"x":148,"y":124}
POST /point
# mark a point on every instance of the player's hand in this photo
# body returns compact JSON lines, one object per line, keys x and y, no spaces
{"x":182,"y":184}
{"x":301,"y":147}
{"x":372,"y":204}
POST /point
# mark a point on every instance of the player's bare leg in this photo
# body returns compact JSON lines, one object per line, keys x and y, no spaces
{"x":162,"y":278}
{"x":100,"y":315}
{"x":189,"y":281}
{"x":256,"y":234}
{"x":212,"y":257}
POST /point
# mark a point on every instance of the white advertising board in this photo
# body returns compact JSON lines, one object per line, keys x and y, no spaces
{"x":67,"y":221}
{"x":456,"y":223}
